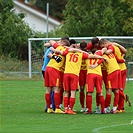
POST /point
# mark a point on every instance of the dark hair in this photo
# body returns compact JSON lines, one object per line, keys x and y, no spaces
{"x":65,"y":37}
{"x":72,"y":41}
{"x":94,"y":40}
{"x":93,"y":50}
{"x":83,"y":45}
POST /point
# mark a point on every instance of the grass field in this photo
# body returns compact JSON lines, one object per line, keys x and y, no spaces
{"x":22,"y":107}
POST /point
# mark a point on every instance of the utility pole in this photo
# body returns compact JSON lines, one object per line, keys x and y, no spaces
{"x":47,"y":24}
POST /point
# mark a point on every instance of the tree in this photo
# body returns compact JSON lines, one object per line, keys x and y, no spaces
{"x":14,"y":32}
{"x":128,"y":22}
{"x":101,"y":18}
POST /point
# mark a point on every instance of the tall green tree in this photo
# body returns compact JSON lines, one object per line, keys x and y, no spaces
{"x":14,"y":32}
{"x":101,"y":18}
{"x":128,"y":22}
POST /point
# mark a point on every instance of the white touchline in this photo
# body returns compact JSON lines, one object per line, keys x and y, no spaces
{"x":96,"y":130}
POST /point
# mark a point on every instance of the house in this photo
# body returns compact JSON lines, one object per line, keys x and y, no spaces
{"x":36,"y":19}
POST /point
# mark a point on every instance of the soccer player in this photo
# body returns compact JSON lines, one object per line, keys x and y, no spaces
{"x":93,"y":44}
{"x":94,"y":79}
{"x":119,"y":52}
{"x":46,"y":58}
{"x":52,"y":75}
{"x":88,"y":47}
{"x":82,"y":78}
{"x":71,"y":75}
{"x":113,"y":79}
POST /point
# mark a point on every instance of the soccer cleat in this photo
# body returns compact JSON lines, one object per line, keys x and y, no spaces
{"x":103,"y":112}
{"x":87,"y":112}
{"x":113,"y":111}
{"x":70,"y":111}
{"x":127,"y":100}
{"x":108,"y":110}
{"x":97,"y":109}
{"x":49,"y":110}
{"x":120,"y":111}
{"x":45,"y":110}
{"x":59,"y":111}
{"x":66,"y":111}
{"x":61,"y":107}
{"x":82,"y":110}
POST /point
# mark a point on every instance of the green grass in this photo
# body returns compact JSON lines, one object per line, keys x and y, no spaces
{"x":22,"y":107}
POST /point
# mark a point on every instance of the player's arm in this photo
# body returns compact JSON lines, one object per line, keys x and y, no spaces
{"x":124,"y":51}
{"x":75,"y":50}
{"x":95,"y":56}
{"x":47,"y":44}
{"x":103,"y":50}
{"x":52,"y":42}
{"x":119,"y":60}
{"x":109,"y":51}
{"x":98,"y":57}
{"x":50,"y":55}
{"x":56,"y":57}
{"x":100,"y":61}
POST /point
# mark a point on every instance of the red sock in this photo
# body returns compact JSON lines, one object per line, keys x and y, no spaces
{"x":66,"y":102}
{"x":120,"y":103}
{"x":48,"y":100}
{"x":72,"y":102}
{"x":89,"y":102}
{"x":57,"y":99}
{"x":61,"y":95}
{"x":82,"y":97}
{"x":101,"y":100}
{"x":116,"y":99}
{"x":107,"y":100}
{"x":97,"y":99}
{"x":86,"y":100}
{"x":121,"y":93}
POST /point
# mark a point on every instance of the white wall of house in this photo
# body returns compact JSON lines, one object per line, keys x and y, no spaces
{"x":36,"y":20}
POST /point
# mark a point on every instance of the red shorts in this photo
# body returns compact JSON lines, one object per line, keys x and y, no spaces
{"x":93,"y":80}
{"x":52,"y":77}
{"x":123,"y":77}
{"x":82,"y":77}
{"x":114,"y":80}
{"x":70,"y":82}
{"x":61,"y":79}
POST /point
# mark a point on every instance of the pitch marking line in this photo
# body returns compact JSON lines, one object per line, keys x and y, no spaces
{"x":96,"y":130}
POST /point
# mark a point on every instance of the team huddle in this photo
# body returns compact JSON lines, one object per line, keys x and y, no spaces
{"x":69,"y":67}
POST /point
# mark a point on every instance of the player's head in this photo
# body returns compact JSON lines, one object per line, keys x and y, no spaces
{"x":65,"y":38}
{"x":93,"y":50}
{"x":103,"y":43}
{"x":83,"y":45}
{"x":65,"y":42}
{"x":72,"y":41}
{"x":94,"y":41}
